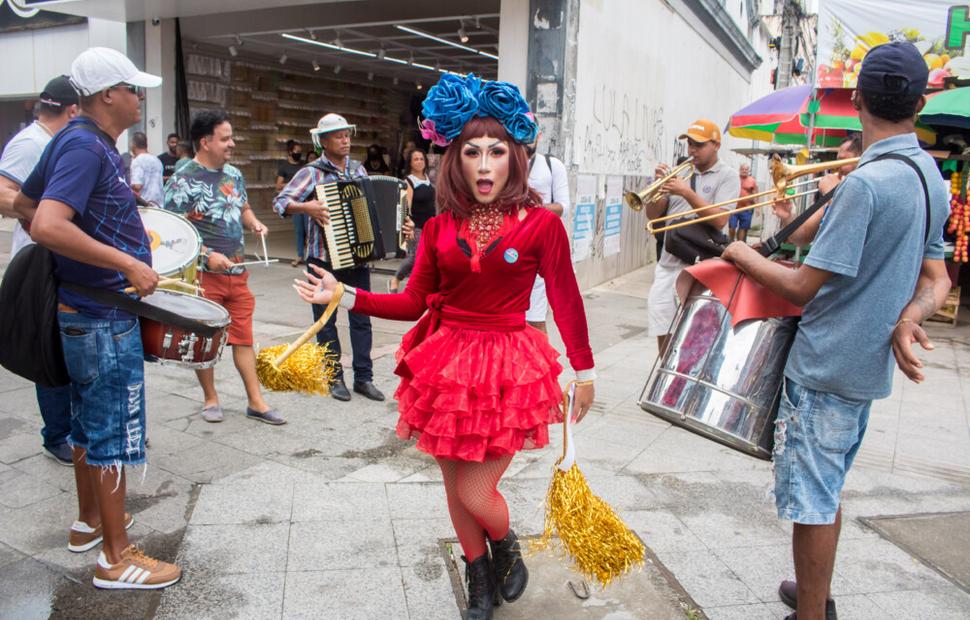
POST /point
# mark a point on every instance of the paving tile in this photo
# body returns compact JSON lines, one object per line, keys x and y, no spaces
{"x":428,"y":591}
{"x":239,"y":503}
{"x":26,"y":588}
{"x":206,"y":462}
{"x":250,"y":548}
{"x":38,"y":527}
{"x":19,"y":446}
{"x":336,"y":545}
{"x":871,"y":566}
{"x":662,"y":530}
{"x":756,"y":611}
{"x":9,"y":554}
{"x":24,"y":489}
{"x":213,"y":596}
{"x":352,"y":501}
{"x":949,"y":602}
{"x":417,"y":540}
{"x":361,"y":594}
{"x":416,"y":501}
{"x":708,"y":579}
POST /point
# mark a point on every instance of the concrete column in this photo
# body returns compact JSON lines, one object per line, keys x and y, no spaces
{"x":105,"y":33}
{"x":553,"y":25}
{"x":160,"y":102}
{"x":513,"y":42}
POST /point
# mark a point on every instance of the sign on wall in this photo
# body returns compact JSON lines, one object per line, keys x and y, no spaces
{"x":613,"y":216}
{"x":19,"y":15}
{"x":584,"y":217}
{"x":847,"y":29}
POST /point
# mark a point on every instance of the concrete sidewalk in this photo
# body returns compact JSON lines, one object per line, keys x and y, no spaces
{"x":331,"y":516}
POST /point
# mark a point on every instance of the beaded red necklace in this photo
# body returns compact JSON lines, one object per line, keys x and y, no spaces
{"x":484,"y":224}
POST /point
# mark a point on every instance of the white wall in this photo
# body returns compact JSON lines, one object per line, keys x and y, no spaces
{"x":643,"y":74}
{"x":513,"y":42}
{"x":160,"y":102}
{"x":33,"y":57}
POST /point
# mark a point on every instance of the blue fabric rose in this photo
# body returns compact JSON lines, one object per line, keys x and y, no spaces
{"x":521,"y":128}
{"x":450,"y":104}
{"x":501,"y":100}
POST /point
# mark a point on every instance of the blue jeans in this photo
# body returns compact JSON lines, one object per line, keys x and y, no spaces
{"x":55,"y":409}
{"x":299,"y":226}
{"x":817,"y":436}
{"x":361,"y":336}
{"x":106,"y":364}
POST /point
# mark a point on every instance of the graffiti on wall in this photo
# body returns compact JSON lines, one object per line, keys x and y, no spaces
{"x":624,"y":134}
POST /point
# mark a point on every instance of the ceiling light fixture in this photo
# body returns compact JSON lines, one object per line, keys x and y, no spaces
{"x":316,"y":65}
{"x":239,"y":41}
{"x":395,"y":80}
{"x":411,"y":59}
{"x":337,"y":69}
{"x":370,"y":76}
{"x":233,"y":51}
{"x":381,"y":53}
{"x":420,"y":86}
{"x":462,"y":35}
{"x":349,"y":50}
{"x":432,"y":37}
{"x":312,"y":34}
{"x":337,"y":42}
{"x":283,"y":58}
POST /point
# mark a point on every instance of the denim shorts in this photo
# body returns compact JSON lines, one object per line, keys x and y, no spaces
{"x":817,"y":436}
{"x":741,"y":220}
{"x":107,"y":368}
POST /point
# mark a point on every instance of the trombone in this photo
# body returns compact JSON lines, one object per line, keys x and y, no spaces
{"x":652,"y":192}
{"x":781,"y":175}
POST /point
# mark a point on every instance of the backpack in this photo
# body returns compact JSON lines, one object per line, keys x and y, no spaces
{"x":30,"y":339}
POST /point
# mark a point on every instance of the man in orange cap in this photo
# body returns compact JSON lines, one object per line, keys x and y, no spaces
{"x":712,"y":182}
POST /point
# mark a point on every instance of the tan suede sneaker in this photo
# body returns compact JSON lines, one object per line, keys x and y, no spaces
{"x":135,"y":571}
{"x":84,"y":537}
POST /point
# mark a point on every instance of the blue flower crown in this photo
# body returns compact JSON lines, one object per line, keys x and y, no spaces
{"x":455,"y":100}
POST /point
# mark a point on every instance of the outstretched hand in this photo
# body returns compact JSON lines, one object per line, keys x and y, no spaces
{"x":319,"y":288}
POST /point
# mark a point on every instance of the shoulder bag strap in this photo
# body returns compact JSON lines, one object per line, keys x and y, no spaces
{"x":926,"y":190}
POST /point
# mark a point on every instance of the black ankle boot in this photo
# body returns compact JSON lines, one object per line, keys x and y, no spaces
{"x":481,"y":588}
{"x":511,"y":574}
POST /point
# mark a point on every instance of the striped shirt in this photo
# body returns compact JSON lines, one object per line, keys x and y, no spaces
{"x":302,"y":187}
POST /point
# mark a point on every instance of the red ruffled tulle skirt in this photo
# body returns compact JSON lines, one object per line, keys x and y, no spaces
{"x":471,"y":395}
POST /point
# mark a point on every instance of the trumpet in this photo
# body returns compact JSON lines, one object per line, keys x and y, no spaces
{"x":652,"y":192}
{"x":781,"y":176}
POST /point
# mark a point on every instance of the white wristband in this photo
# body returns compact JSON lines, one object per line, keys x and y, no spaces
{"x":586,"y":375}
{"x":349,"y":298}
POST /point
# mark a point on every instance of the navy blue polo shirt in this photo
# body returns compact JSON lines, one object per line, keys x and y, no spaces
{"x":83,"y":170}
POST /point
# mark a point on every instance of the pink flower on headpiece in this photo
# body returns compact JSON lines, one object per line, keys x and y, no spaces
{"x":428,"y":133}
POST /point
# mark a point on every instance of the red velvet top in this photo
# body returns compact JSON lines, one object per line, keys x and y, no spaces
{"x":443,"y":276}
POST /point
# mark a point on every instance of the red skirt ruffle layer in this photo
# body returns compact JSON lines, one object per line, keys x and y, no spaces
{"x":471,"y":395}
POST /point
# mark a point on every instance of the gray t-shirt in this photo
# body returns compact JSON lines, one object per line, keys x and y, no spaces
{"x":146,"y":170}
{"x":717,"y":184}
{"x":19,"y":158}
{"x":872,"y":241}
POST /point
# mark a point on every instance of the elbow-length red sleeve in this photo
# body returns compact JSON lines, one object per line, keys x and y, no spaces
{"x":411,"y":304}
{"x":556,"y":268}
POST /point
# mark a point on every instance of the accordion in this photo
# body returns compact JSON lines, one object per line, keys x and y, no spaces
{"x":366,"y":217}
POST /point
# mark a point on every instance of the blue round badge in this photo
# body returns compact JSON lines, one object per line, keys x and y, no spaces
{"x":511,"y":255}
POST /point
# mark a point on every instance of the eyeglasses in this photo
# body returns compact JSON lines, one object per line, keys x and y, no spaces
{"x":134,"y":90}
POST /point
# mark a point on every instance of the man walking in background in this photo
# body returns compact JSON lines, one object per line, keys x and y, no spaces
{"x":146,"y":171}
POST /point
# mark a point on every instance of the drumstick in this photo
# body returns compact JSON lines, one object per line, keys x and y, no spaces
{"x":161,"y":282}
{"x":316,"y":327}
{"x":257,"y":262}
{"x":262,"y":238}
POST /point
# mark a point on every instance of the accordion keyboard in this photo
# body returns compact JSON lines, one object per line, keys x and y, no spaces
{"x":337,"y":231}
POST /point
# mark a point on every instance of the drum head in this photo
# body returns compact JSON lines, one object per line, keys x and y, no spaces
{"x":174,"y":241}
{"x":189,"y":306}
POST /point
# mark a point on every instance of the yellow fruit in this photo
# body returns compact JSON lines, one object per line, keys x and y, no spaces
{"x":944,"y":58}
{"x":856,"y":68}
{"x":933,"y":61}
{"x":858,"y":53}
{"x":837,"y":64}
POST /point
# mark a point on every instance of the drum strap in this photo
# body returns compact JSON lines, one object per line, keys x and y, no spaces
{"x":140,"y":308}
{"x":773,"y":244}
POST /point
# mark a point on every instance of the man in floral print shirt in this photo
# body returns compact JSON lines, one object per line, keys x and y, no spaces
{"x":211,"y":193}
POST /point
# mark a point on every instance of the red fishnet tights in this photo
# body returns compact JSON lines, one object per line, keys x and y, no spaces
{"x":475,"y":505}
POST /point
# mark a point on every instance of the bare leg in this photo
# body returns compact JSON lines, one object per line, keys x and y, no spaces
{"x":540,"y":325}
{"x":112,"y":503}
{"x":207,"y":379}
{"x":245,"y":360}
{"x":814,"y":550}
{"x":742,"y":234}
{"x":732,"y":233}
{"x":87,"y":500}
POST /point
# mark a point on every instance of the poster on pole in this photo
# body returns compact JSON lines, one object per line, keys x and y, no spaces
{"x":613,"y":217}
{"x":847,"y":29}
{"x":584,"y":217}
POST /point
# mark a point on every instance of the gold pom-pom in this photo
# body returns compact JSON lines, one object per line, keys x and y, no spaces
{"x":309,"y":369}
{"x":601,"y":546}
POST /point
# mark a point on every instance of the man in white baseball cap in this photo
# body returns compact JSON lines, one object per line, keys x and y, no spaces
{"x":83,"y":210}
{"x":98,"y":68}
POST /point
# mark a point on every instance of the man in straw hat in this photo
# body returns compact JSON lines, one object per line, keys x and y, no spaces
{"x":880,"y":240}
{"x":87,"y":215}
{"x":57,"y":105}
{"x":332,"y":136}
{"x":713,"y":181}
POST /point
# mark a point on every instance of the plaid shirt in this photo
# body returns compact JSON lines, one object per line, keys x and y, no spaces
{"x":303,"y":186}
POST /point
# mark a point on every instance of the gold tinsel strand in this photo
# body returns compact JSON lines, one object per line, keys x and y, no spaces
{"x":310,"y":369}
{"x":601,"y":546}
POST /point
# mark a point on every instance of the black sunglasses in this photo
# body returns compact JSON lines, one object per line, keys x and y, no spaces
{"x":134,"y":90}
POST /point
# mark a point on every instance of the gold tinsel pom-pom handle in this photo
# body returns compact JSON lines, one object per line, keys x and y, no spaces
{"x":600,"y":545}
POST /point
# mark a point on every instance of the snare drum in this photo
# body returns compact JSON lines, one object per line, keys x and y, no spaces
{"x":175,"y":243}
{"x":177,"y":346}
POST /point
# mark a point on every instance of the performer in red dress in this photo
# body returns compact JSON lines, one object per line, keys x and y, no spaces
{"x":478,"y":384}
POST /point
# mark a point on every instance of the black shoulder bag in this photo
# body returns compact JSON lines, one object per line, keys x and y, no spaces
{"x":694,"y":243}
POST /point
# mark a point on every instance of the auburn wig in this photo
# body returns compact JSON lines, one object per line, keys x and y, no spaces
{"x":452,"y":190}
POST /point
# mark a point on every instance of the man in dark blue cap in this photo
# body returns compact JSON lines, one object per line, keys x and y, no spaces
{"x":875,"y":272}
